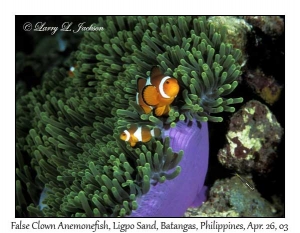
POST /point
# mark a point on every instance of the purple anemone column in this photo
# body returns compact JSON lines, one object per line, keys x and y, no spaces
{"x":173,"y":197}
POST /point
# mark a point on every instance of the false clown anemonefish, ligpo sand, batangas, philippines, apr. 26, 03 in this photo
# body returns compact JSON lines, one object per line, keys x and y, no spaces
{"x":139,"y":134}
{"x":156,"y":92}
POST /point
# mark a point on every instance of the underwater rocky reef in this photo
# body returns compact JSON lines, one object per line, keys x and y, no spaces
{"x":88,"y":104}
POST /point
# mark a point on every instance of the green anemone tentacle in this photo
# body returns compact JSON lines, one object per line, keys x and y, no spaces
{"x":67,"y":129}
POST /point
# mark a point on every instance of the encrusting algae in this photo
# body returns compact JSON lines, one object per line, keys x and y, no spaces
{"x":68,"y":129}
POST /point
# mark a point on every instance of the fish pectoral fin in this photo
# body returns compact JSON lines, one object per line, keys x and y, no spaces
{"x":133,"y":140}
{"x":159,"y":111}
{"x":150,"y":95}
{"x":132,"y":144}
{"x":167,"y":110}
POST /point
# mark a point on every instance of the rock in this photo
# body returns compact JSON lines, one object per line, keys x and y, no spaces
{"x":253,"y":136}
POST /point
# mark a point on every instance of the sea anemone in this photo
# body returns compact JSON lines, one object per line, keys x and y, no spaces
{"x":68,"y":128}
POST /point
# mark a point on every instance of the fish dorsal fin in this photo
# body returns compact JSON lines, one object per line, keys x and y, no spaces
{"x":132,"y":128}
{"x":150,"y":95}
{"x":155,"y":71}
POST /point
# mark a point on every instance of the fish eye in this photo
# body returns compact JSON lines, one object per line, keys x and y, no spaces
{"x":167,"y":82}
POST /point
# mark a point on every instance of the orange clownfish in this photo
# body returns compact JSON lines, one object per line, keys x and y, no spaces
{"x":156,"y":92}
{"x":139,"y":134}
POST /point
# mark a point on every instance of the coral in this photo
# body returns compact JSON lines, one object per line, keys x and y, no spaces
{"x":196,"y":212}
{"x":265,"y":86}
{"x":253,"y":136}
{"x":237,"y":30}
{"x":266,"y":47}
{"x":271,"y":25}
{"x":68,"y":128}
{"x":231,"y":198}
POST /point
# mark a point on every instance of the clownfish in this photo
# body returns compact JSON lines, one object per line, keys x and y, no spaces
{"x":139,"y":134}
{"x":156,"y":92}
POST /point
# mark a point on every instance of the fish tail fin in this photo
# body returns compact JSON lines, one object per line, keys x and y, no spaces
{"x":156,"y":132}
